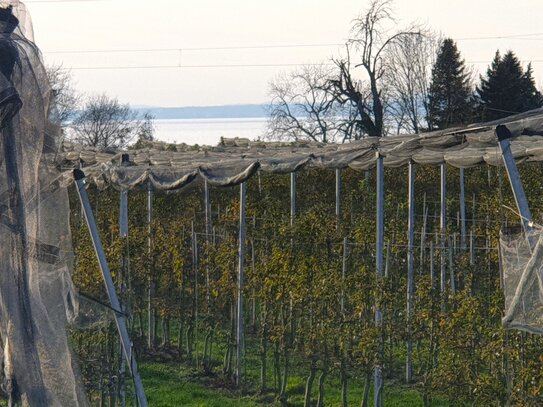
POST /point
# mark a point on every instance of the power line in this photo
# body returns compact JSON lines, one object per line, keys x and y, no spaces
{"x":243,"y":47}
{"x":61,"y":1}
{"x":500,"y":37}
{"x":90,"y":68}
{"x":118,"y":51}
{"x":217,"y":66}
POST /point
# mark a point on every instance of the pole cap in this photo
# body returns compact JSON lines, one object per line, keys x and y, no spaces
{"x":503,"y":132}
{"x":79,"y":175}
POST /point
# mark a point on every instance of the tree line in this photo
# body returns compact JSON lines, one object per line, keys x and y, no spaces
{"x":410,"y":81}
{"x":96,"y":120}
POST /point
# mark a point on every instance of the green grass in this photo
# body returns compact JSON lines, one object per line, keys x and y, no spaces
{"x":168,"y":385}
{"x":171,"y":384}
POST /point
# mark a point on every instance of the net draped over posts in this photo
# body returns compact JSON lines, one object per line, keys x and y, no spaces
{"x":36,"y":293}
{"x":236,"y":160}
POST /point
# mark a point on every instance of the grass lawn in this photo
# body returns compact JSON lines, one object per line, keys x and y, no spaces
{"x":170,"y":384}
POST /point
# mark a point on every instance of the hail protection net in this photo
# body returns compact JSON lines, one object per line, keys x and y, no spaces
{"x":36,"y":292}
{"x":523,"y":280}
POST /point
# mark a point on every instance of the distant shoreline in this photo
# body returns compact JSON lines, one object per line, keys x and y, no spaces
{"x":249,"y":111}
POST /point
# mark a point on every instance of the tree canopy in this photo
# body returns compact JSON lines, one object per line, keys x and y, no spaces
{"x":450,"y":90}
{"x":507,"y":89}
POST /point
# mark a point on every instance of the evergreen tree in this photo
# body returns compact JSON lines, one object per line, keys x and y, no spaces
{"x":507,"y":89}
{"x":450,"y":96}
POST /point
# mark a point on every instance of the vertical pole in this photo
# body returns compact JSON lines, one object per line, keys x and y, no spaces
{"x":380,"y":244}
{"x":338,"y":197}
{"x":292,"y":197}
{"x":239,"y":335}
{"x":388,"y":257}
{"x":110,"y":288}
{"x":443,"y":231}
{"x":344,"y":273}
{"x":208,"y":234}
{"x":123,"y":275}
{"x":194,"y":240}
{"x":432,"y":266}
{"x":410,"y":271}
{"x":462,"y":209}
{"x":253,"y":270}
{"x":423,"y":232}
{"x":207,"y":210}
{"x":150,"y":310}
{"x":451,"y":270}
{"x":473,"y":224}
{"x":503,"y":134}
{"x":471,"y":249}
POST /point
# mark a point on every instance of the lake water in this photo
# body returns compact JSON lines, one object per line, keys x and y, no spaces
{"x":208,"y":131}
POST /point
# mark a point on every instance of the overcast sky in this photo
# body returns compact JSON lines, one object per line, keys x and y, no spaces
{"x":122,"y":25}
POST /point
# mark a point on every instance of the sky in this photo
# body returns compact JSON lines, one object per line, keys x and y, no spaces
{"x":258,"y":39}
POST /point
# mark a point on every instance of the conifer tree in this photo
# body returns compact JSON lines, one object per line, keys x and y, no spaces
{"x":507,"y":89}
{"x":450,"y":96}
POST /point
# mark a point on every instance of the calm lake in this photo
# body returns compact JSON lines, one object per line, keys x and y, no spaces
{"x":208,"y":131}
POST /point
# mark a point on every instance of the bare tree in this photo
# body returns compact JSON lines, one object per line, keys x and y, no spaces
{"x":370,"y":38}
{"x":302,"y":108}
{"x":409,"y":70}
{"x":105,"y":123}
{"x":145,"y":131}
{"x":65,"y":97}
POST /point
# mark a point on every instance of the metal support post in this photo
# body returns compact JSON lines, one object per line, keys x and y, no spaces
{"x":151,"y":289}
{"x":380,"y":245}
{"x":410,"y":271}
{"x":240,"y":335}
{"x":292,"y":197}
{"x":463,"y":209}
{"x":110,"y":288}
{"x":443,"y":231}
{"x":503,"y":134}
{"x":123,"y":277}
{"x":344,"y":273}
{"x":208,"y":235}
{"x":338,"y":197}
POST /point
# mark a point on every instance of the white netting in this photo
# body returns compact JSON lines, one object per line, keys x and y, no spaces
{"x":523,"y":280}
{"x":36,"y":292}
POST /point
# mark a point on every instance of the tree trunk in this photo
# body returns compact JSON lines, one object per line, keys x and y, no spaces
{"x":277,"y":367}
{"x":263,"y":360}
{"x":344,"y":378}
{"x":207,"y":350}
{"x":190,"y":339}
{"x":180,"y":336}
{"x":309,"y":383}
{"x":366,"y":396}
{"x":322,"y":377}
{"x":283,"y":392}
